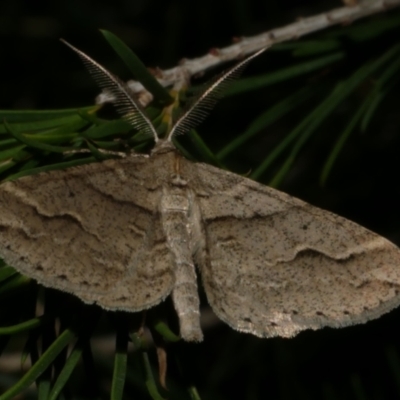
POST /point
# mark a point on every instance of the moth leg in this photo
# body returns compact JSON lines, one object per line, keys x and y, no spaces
{"x":176,"y":225}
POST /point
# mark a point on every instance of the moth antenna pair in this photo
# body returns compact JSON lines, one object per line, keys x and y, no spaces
{"x":131,"y":110}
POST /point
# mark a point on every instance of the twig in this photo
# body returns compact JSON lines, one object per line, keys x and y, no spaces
{"x":247,"y":45}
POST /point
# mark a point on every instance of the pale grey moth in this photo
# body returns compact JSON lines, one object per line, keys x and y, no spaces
{"x":126,"y":233}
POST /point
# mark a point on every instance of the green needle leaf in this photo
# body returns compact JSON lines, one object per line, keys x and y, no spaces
{"x":250,"y":84}
{"x":137,"y":68}
{"x":34,"y":143}
{"x":40,"y":366}
{"x":22,"y":327}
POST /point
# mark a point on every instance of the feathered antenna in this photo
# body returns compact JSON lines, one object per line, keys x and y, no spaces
{"x":206,"y":101}
{"x":125,"y":104}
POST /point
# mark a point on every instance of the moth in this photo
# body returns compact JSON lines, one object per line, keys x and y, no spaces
{"x":126,"y":233}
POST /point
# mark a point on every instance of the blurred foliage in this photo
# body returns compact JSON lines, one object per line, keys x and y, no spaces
{"x":317,"y":117}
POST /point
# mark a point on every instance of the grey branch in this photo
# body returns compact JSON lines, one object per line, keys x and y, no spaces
{"x":247,"y":45}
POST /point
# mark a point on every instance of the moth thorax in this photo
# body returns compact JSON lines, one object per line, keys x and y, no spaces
{"x":175,"y":201}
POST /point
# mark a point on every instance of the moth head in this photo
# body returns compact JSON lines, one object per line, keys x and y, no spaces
{"x":131,"y":110}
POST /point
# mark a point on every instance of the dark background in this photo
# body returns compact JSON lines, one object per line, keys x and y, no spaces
{"x":38,"y":72}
